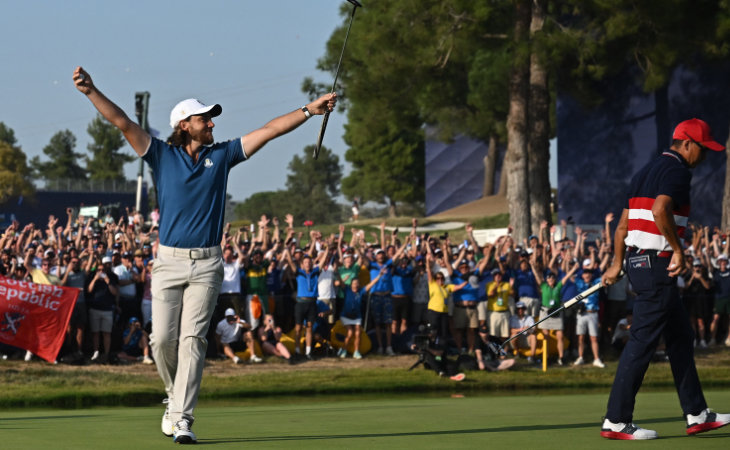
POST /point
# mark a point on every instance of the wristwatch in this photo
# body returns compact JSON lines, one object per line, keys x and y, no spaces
{"x":306,"y":112}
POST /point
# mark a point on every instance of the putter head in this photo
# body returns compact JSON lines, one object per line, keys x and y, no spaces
{"x":496,"y":350}
{"x":356,"y":3}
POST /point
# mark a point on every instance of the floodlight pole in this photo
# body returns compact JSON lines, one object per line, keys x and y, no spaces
{"x":141,"y":108}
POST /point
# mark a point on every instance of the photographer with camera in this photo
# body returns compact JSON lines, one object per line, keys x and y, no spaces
{"x":231,"y":334}
{"x":135,"y":343}
{"x":103,"y":300}
{"x":431,"y":349}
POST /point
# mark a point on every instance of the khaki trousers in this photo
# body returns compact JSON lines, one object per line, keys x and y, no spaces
{"x":185,"y":286}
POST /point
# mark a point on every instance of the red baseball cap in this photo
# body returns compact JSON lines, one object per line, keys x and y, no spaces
{"x":697,"y":130}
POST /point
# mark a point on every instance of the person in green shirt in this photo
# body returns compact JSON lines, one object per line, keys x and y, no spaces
{"x":550,"y":293}
{"x":256,"y":272}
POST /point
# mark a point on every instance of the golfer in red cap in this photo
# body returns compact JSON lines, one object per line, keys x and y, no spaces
{"x":649,"y":237}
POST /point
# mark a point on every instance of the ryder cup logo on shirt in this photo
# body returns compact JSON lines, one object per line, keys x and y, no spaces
{"x":208,"y":162}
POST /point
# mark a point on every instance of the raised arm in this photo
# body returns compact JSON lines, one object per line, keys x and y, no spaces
{"x":138,"y":138}
{"x":253,"y":141}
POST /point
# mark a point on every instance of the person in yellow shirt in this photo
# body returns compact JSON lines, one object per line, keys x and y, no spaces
{"x":437,"y":314}
{"x":499,"y":295}
{"x":42,"y":275}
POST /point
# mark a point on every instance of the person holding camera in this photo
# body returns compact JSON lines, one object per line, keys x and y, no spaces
{"x":135,"y":343}
{"x":270,"y":336}
{"x":103,"y":300}
{"x":231,"y":334}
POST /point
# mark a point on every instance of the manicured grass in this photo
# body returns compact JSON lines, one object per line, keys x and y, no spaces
{"x":444,"y":421}
{"x":41,"y":385}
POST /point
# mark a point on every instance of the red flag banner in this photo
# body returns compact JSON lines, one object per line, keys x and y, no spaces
{"x":35,"y":316}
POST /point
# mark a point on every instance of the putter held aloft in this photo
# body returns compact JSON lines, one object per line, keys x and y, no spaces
{"x":326,"y":117}
{"x":564,"y":306}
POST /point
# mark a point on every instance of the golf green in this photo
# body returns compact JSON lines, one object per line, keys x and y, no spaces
{"x":509,"y":422}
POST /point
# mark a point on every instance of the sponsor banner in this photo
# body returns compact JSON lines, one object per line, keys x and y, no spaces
{"x":35,"y":316}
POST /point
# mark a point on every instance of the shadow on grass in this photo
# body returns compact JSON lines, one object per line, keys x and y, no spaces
{"x":520,"y":428}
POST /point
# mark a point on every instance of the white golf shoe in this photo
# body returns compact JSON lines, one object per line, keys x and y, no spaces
{"x":579,"y":361}
{"x":182,"y":434}
{"x":706,"y":421}
{"x":166,"y":424}
{"x":625,"y":431}
{"x":598,"y":363}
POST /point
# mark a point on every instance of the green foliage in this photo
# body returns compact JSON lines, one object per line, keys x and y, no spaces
{"x":271,"y":203}
{"x":63,"y":163}
{"x":7,"y":134}
{"x":592,"y":40}
{"x":411,"y":63}
{"x":15,"y":175}
{"x":311,"y":185}
{"x":106,"y":161}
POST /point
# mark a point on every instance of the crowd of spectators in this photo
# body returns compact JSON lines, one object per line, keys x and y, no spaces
{"x":279,"y":282}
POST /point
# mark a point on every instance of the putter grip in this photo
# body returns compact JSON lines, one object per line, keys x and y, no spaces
{"x":326,"y":117}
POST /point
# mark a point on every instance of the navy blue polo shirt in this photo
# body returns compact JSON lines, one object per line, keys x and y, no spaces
{"x":192,"y":196}
{"x":668,"y":174}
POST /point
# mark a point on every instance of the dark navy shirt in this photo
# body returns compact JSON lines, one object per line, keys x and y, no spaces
{"x":192,"y":196}
{"x":668,"y":174}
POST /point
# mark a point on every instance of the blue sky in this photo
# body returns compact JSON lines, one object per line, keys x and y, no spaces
{"x":249,"y":55}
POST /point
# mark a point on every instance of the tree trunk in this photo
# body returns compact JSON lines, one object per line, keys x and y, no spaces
{"x":725,"y":222}
{"x":517,"y":170}
{"x":538,"y":122}
{"x":391,"y":209}
{"x":490,"y":167}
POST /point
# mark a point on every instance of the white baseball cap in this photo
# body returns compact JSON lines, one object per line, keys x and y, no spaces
{"x":192,"y":107}
{"x":230,"y":312}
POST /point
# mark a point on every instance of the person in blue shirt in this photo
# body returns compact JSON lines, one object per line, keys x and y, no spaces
{"x":402,"y":292}
{"x":381,"y":302}
{"x":466,"y":300}
{"x":588,"y":315}
{"x":525,"y":285}
{"x":352,"y":314}
{"x":191,"y":175}
{"x":305,"y":308}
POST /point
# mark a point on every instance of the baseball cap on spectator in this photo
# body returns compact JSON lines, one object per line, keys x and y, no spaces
{"x":127,"y":255}
{"x":138,"y":252}
{"x":106,"y":260}
{"x":520,"y":304}
{"x":117,"y":236}
{"x":49,"y":253}
{"x":699,"y":131}
{"x":587,"y":262}
{"x":132,"y":320}
{"x":496,"y":271}
{"x":230,"y":312}
{"x":722,"y":257}
{"x":192,"y":107}
{"x":696,"y":262}
{"x":419,"y":258}
{"x":380,"y":250}
{"x":464,"y":262}
{"x":531,"y":237}
{"x":116,"y":245}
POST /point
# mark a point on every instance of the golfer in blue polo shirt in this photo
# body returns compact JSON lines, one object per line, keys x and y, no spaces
{"x":191,"y":175}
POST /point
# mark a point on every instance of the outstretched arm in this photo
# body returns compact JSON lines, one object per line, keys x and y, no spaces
{"x":253,"y":141}
{"x":138,"y":138}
